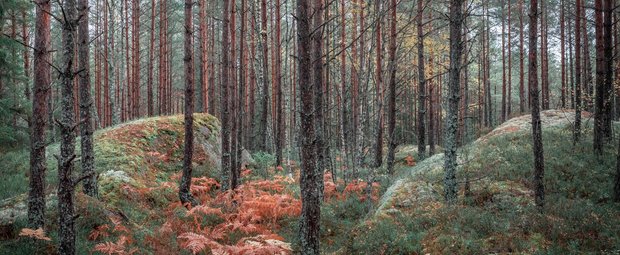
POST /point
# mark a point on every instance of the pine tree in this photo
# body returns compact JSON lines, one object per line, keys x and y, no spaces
{"x":185,"y":194}
{"x":539,"y":164}
{"x":451,"y":122}
{"x":86,"y":104}
{"x":41,"y":88}
{"x":309,"y":179}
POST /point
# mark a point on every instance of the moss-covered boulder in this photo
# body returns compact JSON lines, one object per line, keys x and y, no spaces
{"x":138,"y":164}
{"x":495,"y":212}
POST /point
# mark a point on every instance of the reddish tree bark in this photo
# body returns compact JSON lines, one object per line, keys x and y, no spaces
{"x":150,"y":80}
{"x":185,"y":194}
{"x":392,"y":91}
{"x":41,"y":88}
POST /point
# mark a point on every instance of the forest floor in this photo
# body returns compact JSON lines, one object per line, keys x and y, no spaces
{"x":138,"y":209}
{"x":496,"y":211}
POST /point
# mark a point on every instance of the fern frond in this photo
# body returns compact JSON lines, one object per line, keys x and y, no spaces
{"x":36,"y":234}
{"x":196,"y":242}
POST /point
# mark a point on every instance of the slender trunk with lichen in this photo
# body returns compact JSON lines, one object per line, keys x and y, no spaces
{"x":86,"y":102}
{"x":318,"y":79}
{"x":451,"y":122}
{"x":67,"y":125}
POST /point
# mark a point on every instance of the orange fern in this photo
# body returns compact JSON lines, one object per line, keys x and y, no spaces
{"x":118,"y":247}
{"x":99,"y":231}
{"x":196,"y":242}
{"x":38,"y":234}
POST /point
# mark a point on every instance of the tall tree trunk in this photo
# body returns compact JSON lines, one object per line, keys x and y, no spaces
{"x":522,"y":99}
{"x":135,"y":32}
{"x":503,"y":113}
{"x":212,"y":88}
{"x":490,"y":110}
{"x":571,"y":89}
{"x":578,"y":71}
{"x":362,"y":115}
{"x":225,"y":107}
{"x":608,"y":89}
{"x":357,"y":133}
{"x":422,"y":97}
{"x":604,"y":74}
{"x":600,"y":78}
{"x":544,"y":61}
{"x":378,"y":160}
{"x":126,"y":106}
{"x":451,"y":122}
{"x":202,"y":51}
{"x":279,"y":132}
{"x":587,"y":91}
{"x":342,"y":100}
{"x":111,"y":89}
{"x":251,"y":143}
{"x":431,"y":106}
{"x":241,"y":96}
{"x":539,"y":164}
{"x":232,"y":92}
{"x":149,"y":82}
{"x":562,"y":55}
{"x":26,"y":54}
{"x":67,"y":124}
{"x":86,"y":102}
{"x":616,"y":89}
{"x":310,"y":178}
{"x":392,"y":92}
{"x":509,"y":78}
{"x":319,"y":93}
{"x":42,"y":89}
{"x":160,"y":68}
{"x":362,"y":70}
{"x":262,"y":127}
{"x":185,"y":194}
{"x":98,"y":60}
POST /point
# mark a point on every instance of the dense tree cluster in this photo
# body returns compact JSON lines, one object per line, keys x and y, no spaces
{"x":324,"y":82}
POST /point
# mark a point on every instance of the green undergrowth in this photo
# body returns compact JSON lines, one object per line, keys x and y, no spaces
{"x":495,"y":212}
{"x":134,"y":161}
